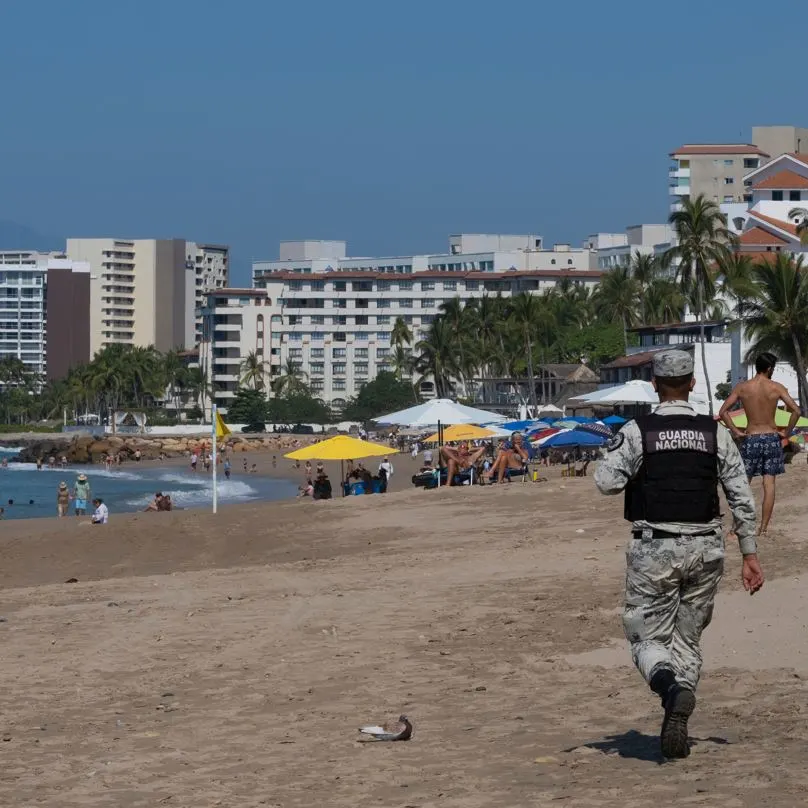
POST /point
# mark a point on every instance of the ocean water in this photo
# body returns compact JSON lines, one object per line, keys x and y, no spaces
{"x":131,"y":488}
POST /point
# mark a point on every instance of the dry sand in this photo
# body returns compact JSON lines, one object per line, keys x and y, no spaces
{"x":227,"y":661}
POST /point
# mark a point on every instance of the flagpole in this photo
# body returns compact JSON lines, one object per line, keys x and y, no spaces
{"x":214,"y":422}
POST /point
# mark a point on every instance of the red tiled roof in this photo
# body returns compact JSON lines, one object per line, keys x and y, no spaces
{"x":763,"y":256}
{"x":783,"y":179}
{"x":757,"y":235}
{"x":718,"y":148}
{"x":778,"y":223}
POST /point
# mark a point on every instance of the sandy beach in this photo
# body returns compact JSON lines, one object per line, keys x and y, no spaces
{"x":227,"y":661}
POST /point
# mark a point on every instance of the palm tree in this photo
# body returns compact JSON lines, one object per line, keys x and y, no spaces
{"x":663,"y":302}
{"x":703,"y":243}
{"x":254,"y":370}
{"x":736,"y":280}
{"x":198,"y":386}
{"x":526,"y":314}
{"x":618,"y":299}
{"x":459,"y":319}
{"x":401,"y":334}
{"x":291,"y":380}
{"x":400,"y":362}
{"x":777,"y":318}
{"x":802,"y":224}
{"x":644,"y":269}
{"x":437,"y":357}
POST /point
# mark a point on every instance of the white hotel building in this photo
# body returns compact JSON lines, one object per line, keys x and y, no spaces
{"x":336,"y":325}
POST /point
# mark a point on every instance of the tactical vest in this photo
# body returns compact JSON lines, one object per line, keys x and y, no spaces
{"x":678,"y":478}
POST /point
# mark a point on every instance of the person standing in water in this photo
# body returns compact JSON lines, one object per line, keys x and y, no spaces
{"x":762,"y":443}
{"x":62,"y":499}
{"x":81,"y":494}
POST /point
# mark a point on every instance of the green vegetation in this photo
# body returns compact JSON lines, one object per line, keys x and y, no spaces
{"x":386,"y":393}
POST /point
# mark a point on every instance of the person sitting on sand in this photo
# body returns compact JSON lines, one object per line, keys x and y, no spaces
{"x":254,"y":468}
{"x":322,"y":487}
{"x":167,"y":504}
{"x":306,"y":490}
{"x":62,"y":499}
{"x":512,"y":456}
{"x":460,"y":459}
{"x":101,"y":513}
{"x":156,"y":503}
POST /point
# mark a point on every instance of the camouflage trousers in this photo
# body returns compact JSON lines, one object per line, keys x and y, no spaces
{"x":670,"y":588}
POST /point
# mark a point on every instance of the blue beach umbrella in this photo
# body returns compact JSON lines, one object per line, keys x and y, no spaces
{"x":596,"y":429}
{"x":575,"y":437}
{"x":614,"y":420}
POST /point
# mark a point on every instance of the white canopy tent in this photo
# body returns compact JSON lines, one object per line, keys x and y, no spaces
{"x":635,"y":391}
{"x":442,"y":411}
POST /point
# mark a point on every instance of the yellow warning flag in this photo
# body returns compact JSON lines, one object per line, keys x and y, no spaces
{"x":221,"y":427}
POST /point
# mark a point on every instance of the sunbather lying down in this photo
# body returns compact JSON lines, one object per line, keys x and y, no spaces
{"x":459,"y":459}
{"x":512,"y":455}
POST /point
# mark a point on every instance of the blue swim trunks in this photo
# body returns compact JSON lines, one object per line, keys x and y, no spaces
{"x":763,"y":455}
{"x":80,"y":504}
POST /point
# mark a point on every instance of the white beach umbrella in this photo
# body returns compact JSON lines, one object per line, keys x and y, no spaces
{"x":442,"y":411}
{"x":636,"y":391}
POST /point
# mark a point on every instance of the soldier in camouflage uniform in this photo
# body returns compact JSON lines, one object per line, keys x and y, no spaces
{"x":669,"y":464}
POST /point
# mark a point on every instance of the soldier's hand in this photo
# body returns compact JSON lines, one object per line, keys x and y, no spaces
{"x":751,"y":574}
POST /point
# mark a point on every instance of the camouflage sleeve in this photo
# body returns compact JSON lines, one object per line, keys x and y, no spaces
{"x":733,"y":478}
{"x":622,"y":461}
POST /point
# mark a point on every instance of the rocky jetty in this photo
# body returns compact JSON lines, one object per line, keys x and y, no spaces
{"x":90,"y":449}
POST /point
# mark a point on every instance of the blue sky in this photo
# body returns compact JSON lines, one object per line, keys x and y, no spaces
{"x":387,"y":124}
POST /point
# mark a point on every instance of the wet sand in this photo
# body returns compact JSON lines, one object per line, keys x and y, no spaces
{"x":227,"y":661}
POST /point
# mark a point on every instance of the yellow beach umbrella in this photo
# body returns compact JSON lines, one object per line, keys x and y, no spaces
{"x":781,"y":419}
{"x":341,"y":447}
{"x":461,"y":432}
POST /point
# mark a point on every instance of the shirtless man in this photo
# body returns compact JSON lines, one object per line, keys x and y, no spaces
{"x":460,"y":459}
{"x":762,"y":442}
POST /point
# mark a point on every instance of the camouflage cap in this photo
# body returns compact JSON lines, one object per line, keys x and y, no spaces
{"x":672,"y":363}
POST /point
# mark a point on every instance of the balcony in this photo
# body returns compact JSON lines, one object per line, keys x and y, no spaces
{"x":680,"y":190}
{"x":679,"y":173}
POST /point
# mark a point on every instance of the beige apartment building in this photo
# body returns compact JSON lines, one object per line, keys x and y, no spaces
{"x":211,"y":267}
{"x":777,"y":140}
{"x":142,"y":291}
{"x":715,"y":170}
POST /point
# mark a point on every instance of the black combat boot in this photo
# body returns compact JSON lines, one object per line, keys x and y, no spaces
{"x":679,"y":703}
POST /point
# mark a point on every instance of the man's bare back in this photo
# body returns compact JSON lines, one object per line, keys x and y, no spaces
{"x":759,"y":397}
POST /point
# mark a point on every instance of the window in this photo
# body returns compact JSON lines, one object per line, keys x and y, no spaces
{"x":427,"y":286}
{"x":339,"y":320}
{"x":317,"y":368}
{"x":317,"y":319}
{"x":751,"y":162}
{"x":404,"y":286}
{"x":338,"y":353}
{"x":728,"y":198}
{"x":318,"y":286}
{"x":472,"y":286}
{"x":295,"y":320}
{"x":428,"y":303}
{"x":339,"y":286}
{"x":427,"y":319}
{"x":317,"y":353}
{"x":338,"y":337}
{"x":338,"y":384}
{"x":729,"y":181}
{"x":319,"y":336}
{"x":382,"y":353}
{"x":295,"y":353}
{"x":360,"y":369}
{"x":383,"y":336}
{"x":296,"y":337}
{"x":339,"y":368}
{"x":382,"y":286}
{"x":361,"y":319}
{"x":316,"y":385}
{"x":362,"y":286}
{"x":405,"y":303}
{"x":729,"y":162}
{"x":361,"y":304}
{"x":295,"y":285}
{"x":359,"y":336}
{"x":361,"y":353}
{"x":450,"y":286}
{"x":794,"y":196}
{"x":777,"y":196}
{"x":383,"y":320}
{"x":383,"y":304}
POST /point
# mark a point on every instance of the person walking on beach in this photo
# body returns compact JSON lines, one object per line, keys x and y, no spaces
{"x":670,"y":464}
{"x":62,"y":499}
{"x":227,"y":468}
{"x":194,"y":461}
{"x":81,"y":494}
{"x":762,"y":443}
